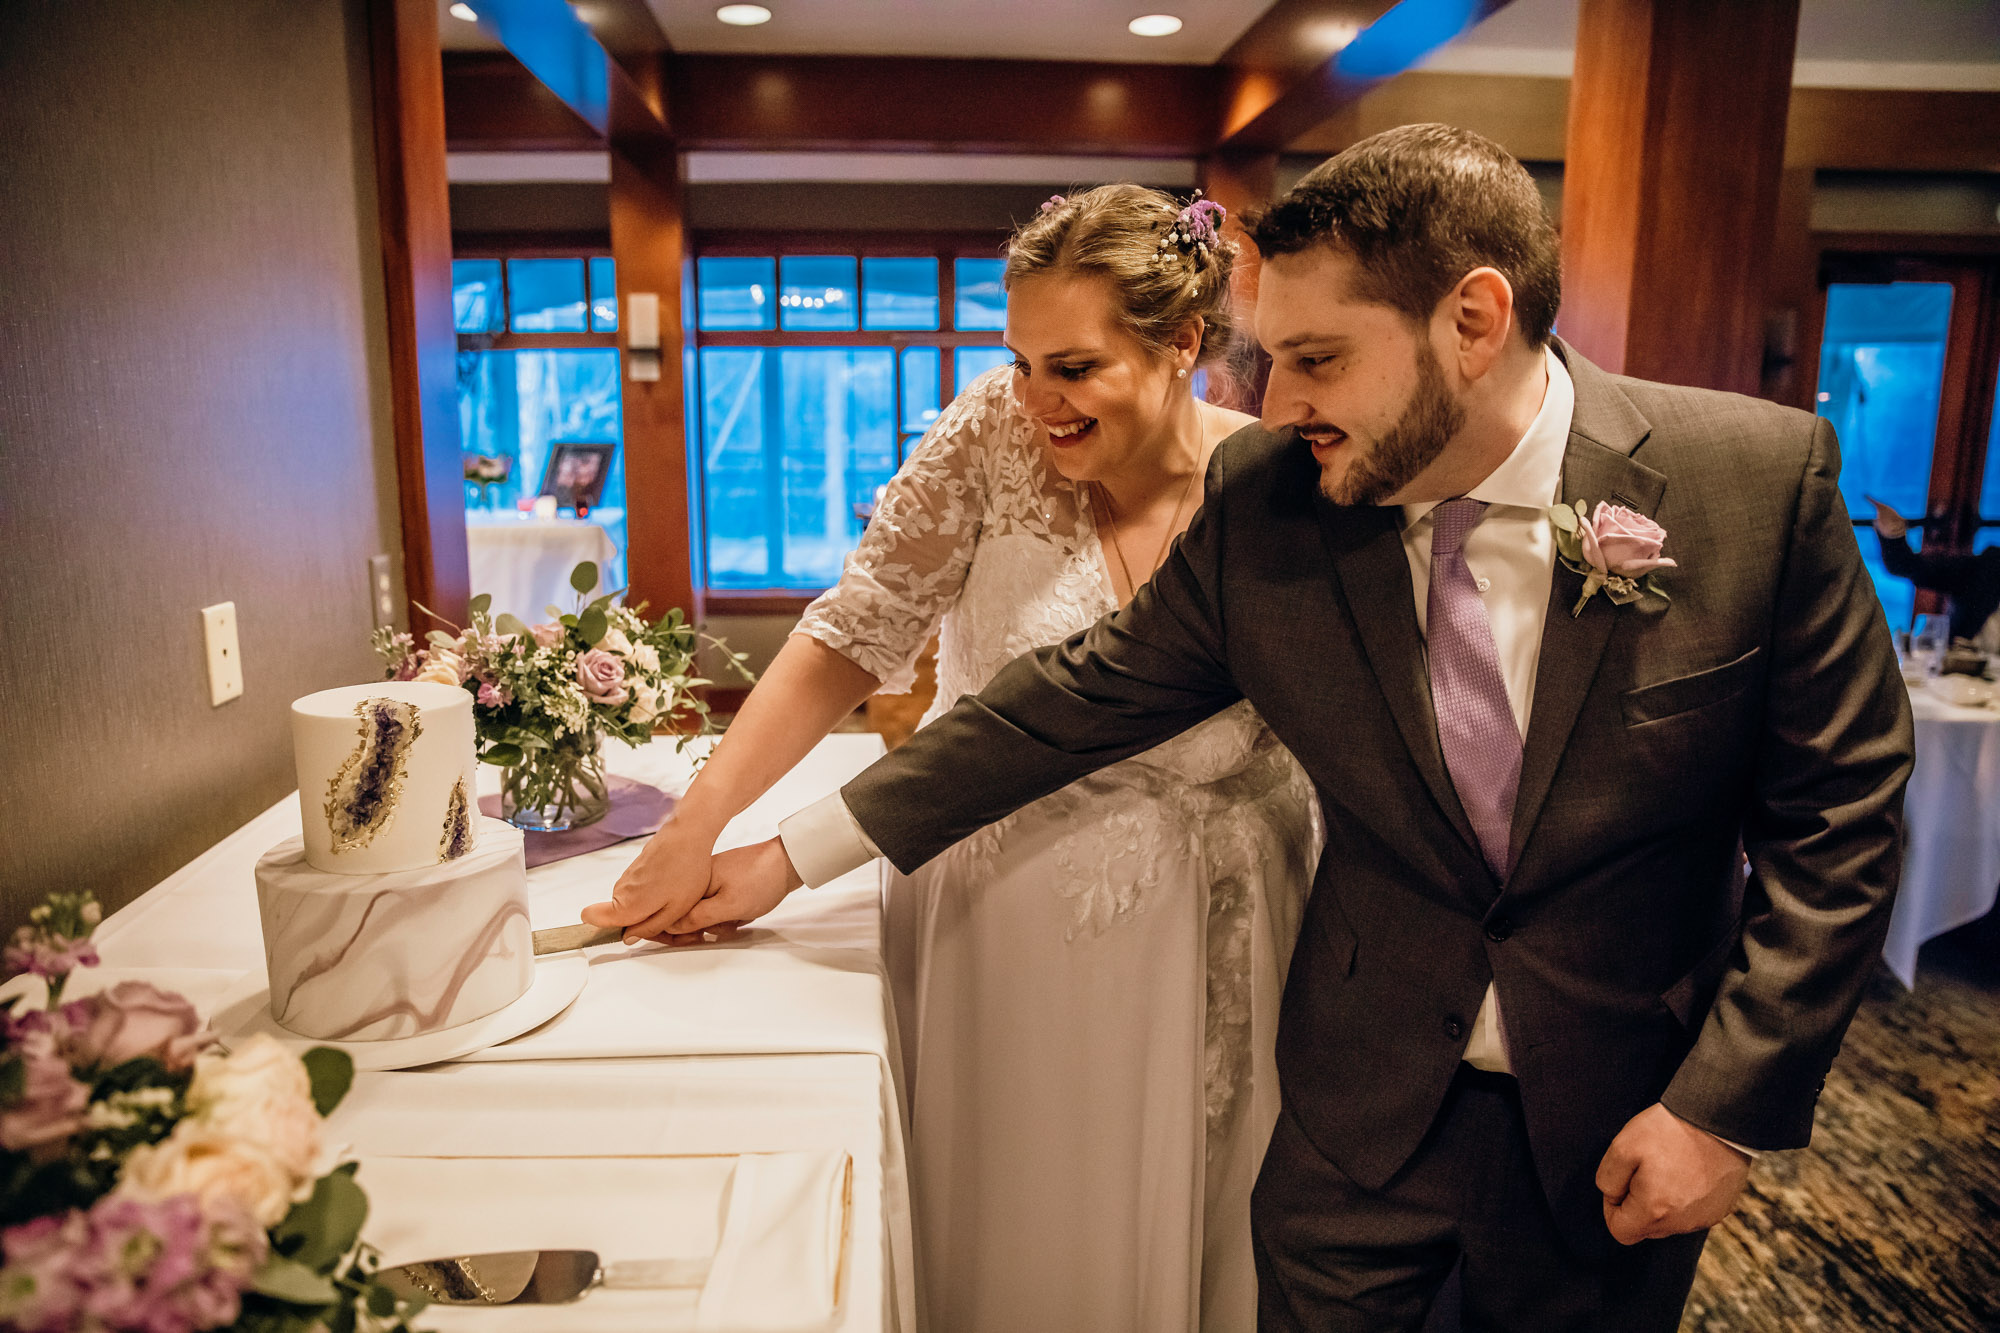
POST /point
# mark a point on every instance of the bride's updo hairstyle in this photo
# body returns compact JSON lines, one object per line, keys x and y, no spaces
{"x":1165,"y":264}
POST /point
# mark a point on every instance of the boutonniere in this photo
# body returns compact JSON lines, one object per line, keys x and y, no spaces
{"x":1615,"y":550}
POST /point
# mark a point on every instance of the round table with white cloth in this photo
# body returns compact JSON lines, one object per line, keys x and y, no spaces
{"x":1951,"y":868}
{"x":525,"y":561}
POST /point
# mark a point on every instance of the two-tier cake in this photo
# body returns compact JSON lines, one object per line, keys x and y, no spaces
{"x":401,"y":911}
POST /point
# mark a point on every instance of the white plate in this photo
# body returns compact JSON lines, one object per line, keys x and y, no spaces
{"x":558,"y":981}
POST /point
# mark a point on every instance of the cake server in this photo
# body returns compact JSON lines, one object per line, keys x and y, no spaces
{"x":535,"y":1277}
{"x":563,"y":938}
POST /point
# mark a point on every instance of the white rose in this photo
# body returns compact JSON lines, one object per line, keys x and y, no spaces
{"x":202,"y":1160}
{"x":260,"y":1093}
{"x":444,"y":667}
{"x":645,"y":701}
{"x":646,"y":657}
{"x":614,"y":641}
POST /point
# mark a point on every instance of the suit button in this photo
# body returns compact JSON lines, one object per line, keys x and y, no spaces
{"x":1499,"y":929}
{"x":1453,"y":1028}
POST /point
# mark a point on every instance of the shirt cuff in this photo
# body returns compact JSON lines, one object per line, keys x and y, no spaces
{"x":824,"y":841}
{"x":1752,"y":1153}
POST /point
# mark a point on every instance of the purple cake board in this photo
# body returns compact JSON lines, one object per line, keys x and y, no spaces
{"x":637,"y":811}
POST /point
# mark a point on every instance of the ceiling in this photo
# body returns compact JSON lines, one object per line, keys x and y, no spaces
{"x":1908,"y":43}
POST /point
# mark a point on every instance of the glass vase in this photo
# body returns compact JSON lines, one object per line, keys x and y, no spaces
{"x":559,"y":788}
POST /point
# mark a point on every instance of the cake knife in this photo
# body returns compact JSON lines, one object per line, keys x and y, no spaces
{"x":580,"y":936}
{"x":535,"y":1277}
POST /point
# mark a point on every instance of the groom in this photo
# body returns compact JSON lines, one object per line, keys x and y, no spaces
{"x":1539,"y":1017}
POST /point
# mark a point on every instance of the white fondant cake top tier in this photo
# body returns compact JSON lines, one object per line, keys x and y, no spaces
{"x":386,"y":776}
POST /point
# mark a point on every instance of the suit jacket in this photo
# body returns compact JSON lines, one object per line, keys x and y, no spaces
{"x":1759,"y":711}
{"x":1971,"y":581}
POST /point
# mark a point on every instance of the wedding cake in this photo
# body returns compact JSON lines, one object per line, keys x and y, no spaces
{"x":400,"y":910}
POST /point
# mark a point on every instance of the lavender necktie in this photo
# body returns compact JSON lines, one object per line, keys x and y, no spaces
{"x":1482,"y":744}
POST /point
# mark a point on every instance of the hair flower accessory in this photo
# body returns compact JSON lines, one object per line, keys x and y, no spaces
{"x":1615,"y":549}
{"x":1196,"y":230}
{"x":1053,"y":202}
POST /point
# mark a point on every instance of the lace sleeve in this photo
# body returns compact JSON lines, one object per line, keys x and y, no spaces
{"x":911,"y":563}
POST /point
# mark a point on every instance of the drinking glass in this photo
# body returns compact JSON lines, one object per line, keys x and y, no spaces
{"x":1929,"y":634}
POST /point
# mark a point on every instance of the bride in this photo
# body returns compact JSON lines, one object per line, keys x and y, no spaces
{"x":1088,"y":990}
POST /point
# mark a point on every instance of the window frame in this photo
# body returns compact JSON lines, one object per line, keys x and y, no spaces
{"x":508,"y":340}
{"x":944,"y":246}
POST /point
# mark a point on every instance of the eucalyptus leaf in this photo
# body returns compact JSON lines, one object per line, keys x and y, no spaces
{"x":584,"y":577}
{"x":290,"y":1281}
{"x":437,"y":638}
{"x":592,"y":626}
{"x":481,"y":604}
{"x":509,"y":623}
{"x":332,"y":1073}
{"x":1563,"y":517}
{"x":506,"y":756}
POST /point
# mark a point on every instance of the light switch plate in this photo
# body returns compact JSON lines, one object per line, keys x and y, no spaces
{"x":381,"y":592}
{"x":225,"y":659}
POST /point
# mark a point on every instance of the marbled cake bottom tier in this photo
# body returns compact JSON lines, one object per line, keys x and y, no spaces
{"x":378,"y":957}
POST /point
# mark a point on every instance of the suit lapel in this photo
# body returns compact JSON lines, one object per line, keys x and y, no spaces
{"x":1597,"y":465}
{"x":1366,"y":546}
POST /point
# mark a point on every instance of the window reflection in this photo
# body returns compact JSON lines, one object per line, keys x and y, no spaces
{"x":546,"y":296}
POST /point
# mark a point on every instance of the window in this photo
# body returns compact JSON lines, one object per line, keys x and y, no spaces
{"x":538,"y":364}
{"x":817,"y":369}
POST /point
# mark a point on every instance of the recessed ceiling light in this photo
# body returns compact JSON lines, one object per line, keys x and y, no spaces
{"x":464,"y":11}
{"x":744,"y":16}
{"x":1154,"y":25}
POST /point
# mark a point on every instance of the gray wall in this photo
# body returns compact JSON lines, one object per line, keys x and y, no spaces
{"x":193,"y":409}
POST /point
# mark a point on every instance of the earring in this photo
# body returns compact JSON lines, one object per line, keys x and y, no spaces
{"x":1181,"y":374}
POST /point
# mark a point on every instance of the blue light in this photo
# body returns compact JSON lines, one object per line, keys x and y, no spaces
{"x":1403,"y":36}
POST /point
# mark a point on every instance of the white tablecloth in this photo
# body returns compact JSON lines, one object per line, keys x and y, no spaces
{"x":525,"y":561}
{"x":781,"y":1042}
{"x":1951,"y":869}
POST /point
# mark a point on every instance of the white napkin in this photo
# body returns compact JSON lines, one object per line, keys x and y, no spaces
{"x":776,"y":1226}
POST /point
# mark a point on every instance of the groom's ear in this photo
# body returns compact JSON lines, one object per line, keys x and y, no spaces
{"x":1480,"y":314}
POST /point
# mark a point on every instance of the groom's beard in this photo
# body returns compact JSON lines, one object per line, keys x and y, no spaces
{"x":1432,"y":417}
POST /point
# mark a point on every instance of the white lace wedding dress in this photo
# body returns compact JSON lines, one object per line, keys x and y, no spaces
{"x":1088,"y":990}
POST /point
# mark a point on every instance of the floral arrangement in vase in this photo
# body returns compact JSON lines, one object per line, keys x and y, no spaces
{"x":545,"y":696}
{"x":152,"y":1180}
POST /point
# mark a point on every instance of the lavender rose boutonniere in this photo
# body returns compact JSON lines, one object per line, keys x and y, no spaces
{"x":1615,"y":549}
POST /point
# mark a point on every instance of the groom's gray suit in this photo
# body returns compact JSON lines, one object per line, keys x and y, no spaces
{"x":1760,"y":711}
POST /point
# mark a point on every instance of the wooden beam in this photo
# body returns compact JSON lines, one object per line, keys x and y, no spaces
{"x":493,"y":104}
{"x":1676,"y":142}
{"x":1526,"y":115}
{"x":649,"y":248}
{"x":1001,"y":106}
{"x":408,"y":96}
{"x":1894,"y":129}
{"x":1285,"y":76}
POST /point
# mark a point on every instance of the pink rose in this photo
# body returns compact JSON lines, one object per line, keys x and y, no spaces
{"x":547,"y":636}
{"x":50,"y":1107}
{"x":133,"y":1019}
{"x":602,"y":677}
{"x":1622,"y":542}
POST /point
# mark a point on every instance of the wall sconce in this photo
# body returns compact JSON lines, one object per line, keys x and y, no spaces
{"x":642,"y":335}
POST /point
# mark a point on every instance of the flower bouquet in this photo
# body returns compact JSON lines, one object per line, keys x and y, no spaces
{"x":545,"y":696}
{"x":151,"y":1180}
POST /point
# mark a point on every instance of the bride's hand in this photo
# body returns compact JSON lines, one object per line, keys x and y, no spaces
{"x":663,"y":883}
{"x":746,"y":882}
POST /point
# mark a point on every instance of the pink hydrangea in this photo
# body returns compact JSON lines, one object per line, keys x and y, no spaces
{"x":493,"y":696}
{"x":165,"y":1267}
{"x":45,"y":953}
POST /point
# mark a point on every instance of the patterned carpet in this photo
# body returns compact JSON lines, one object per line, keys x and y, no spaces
{"x":1891,"y":1219}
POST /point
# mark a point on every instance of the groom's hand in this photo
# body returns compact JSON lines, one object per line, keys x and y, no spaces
{"x":1663,"y":1176}
{"x":668,"y":877}
{"x":746,"y":882}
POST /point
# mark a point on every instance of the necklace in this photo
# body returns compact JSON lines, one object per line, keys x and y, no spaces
{"x":1173,"y":524}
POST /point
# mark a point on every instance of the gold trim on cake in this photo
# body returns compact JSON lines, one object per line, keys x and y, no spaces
{"x":457,"y":838}
{"x":362,"y":798}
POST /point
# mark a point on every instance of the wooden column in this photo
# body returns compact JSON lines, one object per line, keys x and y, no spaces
{"x":649,"y":245}
{"x":408,"y":92}
{"x":1241,"y":182}
{"x":1675,"y":146}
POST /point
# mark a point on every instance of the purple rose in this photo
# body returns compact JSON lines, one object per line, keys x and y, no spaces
{"x":602,"y":677}
{"x":50,"y":1107}
{"x":133,"y":1019}
{"x":1622,"y":542}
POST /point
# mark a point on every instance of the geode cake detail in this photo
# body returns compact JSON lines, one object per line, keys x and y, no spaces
{"x":361,"y":799}
{"x":457,"y":839}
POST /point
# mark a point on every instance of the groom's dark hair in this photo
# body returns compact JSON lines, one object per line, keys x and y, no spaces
{"x":1419,"y":207}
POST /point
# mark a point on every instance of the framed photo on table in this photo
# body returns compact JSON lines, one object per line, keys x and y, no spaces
{"x":576,"y":472}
